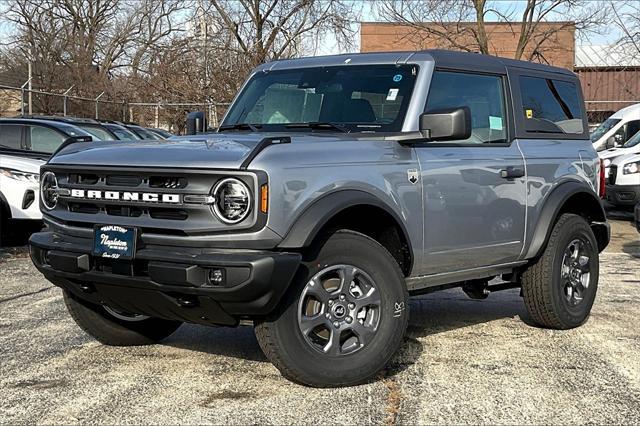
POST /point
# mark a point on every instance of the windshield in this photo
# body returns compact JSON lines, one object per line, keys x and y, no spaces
{"x":603,"y":128}
{"x":633,"y":141}
{"x":357,"y":98}
{"x":97,"y":132}
{"x":123,"y":133}
{"x":143,"y":133}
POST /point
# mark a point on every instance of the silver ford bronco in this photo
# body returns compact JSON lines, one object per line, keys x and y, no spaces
{"x":335,"y":188}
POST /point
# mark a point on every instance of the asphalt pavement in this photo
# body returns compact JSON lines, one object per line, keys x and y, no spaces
{"x":463,"y":361}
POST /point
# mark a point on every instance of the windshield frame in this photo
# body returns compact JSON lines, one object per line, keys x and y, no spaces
{"x":236,"y":115}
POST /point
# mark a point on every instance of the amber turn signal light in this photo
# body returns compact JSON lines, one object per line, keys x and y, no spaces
{"x":264,"y":198}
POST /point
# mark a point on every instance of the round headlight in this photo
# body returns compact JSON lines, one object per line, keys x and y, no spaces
{"x":607,"y":162}
{"x":232,"y":200}
{"x":49,"y":190}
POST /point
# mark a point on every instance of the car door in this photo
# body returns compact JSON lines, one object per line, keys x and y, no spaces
{"x":473,"y":189}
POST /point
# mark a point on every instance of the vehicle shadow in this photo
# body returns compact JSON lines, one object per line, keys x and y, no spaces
{"x":449,"y":310}
{"x":436,"y":313}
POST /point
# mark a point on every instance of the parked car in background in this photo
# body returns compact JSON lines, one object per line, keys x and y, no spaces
{"x":623,"y":183}
{"x":89,"y":125}
{"x":26,"y":144}
{"x":617,"y":129}
{"x":142,"y":132}
{"x":121,"y":131}
{"x":630,"y":147}
{"x":163,"y":134}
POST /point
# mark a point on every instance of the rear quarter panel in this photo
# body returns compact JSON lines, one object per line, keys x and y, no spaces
{"x":549,"y":163}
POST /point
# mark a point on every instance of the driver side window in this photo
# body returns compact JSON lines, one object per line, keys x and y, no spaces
{"x":483,"y":94}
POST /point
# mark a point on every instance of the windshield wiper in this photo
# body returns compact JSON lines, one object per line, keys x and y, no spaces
{"x":322,"y":125}
{"x":240,"y":126}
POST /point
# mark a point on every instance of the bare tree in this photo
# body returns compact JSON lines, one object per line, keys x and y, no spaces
{"x":463,"y":24}
{"x":271,"y":29}
{"x":627,"y":19}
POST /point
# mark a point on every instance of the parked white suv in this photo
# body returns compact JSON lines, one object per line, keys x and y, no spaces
{"x":623,"y":183}
{"x":26,"y":144}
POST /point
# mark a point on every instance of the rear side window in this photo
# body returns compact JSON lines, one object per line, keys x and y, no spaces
{"x":11,"y":136}
{"x":44,"y":139}
{"x":483,"y":94}
{"x":551,"y":106}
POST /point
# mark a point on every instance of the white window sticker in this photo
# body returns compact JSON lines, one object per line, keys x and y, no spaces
{"x":393,"y":94}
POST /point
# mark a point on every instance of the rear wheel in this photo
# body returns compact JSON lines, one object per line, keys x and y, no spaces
{"x":115,"y":328}
{"x":343,"y":317}
{"x":560,"y":288}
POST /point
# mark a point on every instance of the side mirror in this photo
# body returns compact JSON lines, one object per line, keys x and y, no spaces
{"x":446,"y":124}
{"x":611,"y":142}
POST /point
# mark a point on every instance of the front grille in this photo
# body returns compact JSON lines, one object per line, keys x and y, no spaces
{"x":167,"y":212}
{"x":613,"y":173}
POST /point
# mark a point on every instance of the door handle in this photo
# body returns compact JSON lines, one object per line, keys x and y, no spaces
{"x":511,"y":173}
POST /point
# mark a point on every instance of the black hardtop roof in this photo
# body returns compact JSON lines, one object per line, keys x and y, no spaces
{"x":489,"y":63}
{"x":448,"y":59}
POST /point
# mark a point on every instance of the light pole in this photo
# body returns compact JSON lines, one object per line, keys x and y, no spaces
{"x":64,"y":100}
{"x":97,"y":99}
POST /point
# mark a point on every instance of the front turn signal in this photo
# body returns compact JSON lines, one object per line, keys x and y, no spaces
{"x":264,"y":198}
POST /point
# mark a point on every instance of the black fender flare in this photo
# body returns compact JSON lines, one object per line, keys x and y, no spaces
{"x":308,"y":224}
{"x":553,"y":206}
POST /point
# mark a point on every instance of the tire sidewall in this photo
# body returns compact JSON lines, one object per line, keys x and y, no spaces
{"x":359,"y":251}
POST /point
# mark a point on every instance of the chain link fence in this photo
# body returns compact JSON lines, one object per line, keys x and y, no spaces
{"x":16,"y":101}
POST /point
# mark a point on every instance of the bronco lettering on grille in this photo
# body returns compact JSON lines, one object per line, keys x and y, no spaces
{"x":146,"y":197}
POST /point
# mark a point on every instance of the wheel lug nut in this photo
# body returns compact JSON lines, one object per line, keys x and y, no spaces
{"x":336,"y":324}
{"x":327,"y":315}
{"x":348,"y":320}
{"x":352,"y":305}
{"x":342,"y":297}
{"x":330,"y":302}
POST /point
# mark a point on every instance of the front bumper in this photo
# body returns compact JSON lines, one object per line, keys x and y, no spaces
{"x":170,"y":283}
{"x":623,"y":195}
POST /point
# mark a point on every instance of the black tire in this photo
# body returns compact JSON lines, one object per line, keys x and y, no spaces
{"x":281,"y":338}
{"x":96,"y":321}
{"x":545,"y":286}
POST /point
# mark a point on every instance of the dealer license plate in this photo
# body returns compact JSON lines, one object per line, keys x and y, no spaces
{"x":114,"y":242}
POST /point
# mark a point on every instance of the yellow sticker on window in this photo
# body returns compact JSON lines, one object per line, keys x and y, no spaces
{"x":529,"y":113}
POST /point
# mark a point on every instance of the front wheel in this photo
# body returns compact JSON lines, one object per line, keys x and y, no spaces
{"x":560,"y":287}
{"x":343,"y":318}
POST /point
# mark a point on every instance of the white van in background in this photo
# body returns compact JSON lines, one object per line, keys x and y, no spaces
{"x":623,"y":182}
{"x":617,"y":129}
{"x":630,"y":147}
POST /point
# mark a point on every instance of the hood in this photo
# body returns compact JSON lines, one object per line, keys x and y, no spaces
{"x":23,"y":164}
{"x":202,"y":151}
{"x":624,"y":159}
{"x":206,"y":151}
{"x":612,"y":153}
